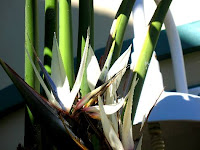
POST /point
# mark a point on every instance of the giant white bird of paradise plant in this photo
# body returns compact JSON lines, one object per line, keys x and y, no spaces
{"x":62,"y":110}
{"x":100,"y":102}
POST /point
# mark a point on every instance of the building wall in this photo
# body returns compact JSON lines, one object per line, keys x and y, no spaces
{"x":12,"y":130}
{"x":192,"y":63}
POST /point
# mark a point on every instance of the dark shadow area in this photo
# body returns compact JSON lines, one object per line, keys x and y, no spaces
{"x":179,"y":120}
{"x":177,"y":135}
{"x":10,"y":100}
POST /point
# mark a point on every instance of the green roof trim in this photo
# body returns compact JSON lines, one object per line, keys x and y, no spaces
{"x":189,"y":35}
{"x":190,"y":39}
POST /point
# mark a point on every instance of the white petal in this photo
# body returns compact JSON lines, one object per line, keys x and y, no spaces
{"x":109,"y":132}
{"x":93,"y":69}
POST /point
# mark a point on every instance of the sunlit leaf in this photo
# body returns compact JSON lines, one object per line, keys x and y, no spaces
{"x":119,"y":64}
{"x":127,"y":137}
{"x":47,"y":77}
{"x":109,"y":132}
{"x":93,"y":69}
{"x":110,"y":94}
{"x":94,"y":93}
{"x":153,"y":85}
{"x":58,"y":74}
{"x":106,"y":66}
{"x":48,"y":93}
{"x":79,"y":77}
{"x":109,"y":109}
{"x":139,"y":146}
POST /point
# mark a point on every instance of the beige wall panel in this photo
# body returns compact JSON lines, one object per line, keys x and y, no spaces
{"x":192,"y":67}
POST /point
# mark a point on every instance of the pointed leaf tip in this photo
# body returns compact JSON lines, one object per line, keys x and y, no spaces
{"x":127,"y":137}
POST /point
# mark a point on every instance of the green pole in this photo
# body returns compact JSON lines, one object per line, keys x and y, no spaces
{"x":66,"y":39}
{"x":86,"y":20}
{"x":50,"y":29}
{"x":148,"y":48}
{"x":122,"y":17}
{"x":31,"y":137}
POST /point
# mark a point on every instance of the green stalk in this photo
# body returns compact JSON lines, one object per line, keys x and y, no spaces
{"x":86,"y":21}
{"x":115,"y":38}
{"x":122,"y":17}
{"x":148,"y":48}
{"x":31,"y":40}
{"x":65,"y":39}
{"x":50,"y":29}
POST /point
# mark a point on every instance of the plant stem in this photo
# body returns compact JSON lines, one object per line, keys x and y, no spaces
{"x":86,"y":24}
{"x":31,"y":40}
{"x":50,"y":29}
{"x":148,"y":48}
{"x":118,"y":28}
{"x":122,"y":17}
{"x":86,"y":21}
{"x":65,"y":39}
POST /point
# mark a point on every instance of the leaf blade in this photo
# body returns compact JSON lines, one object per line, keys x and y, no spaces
{"x":127,"y":137}
{"x":109,"y":132}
